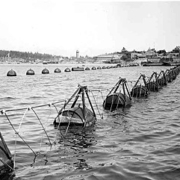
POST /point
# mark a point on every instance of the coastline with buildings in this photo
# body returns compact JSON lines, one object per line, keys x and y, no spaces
{"x":123,"y":57}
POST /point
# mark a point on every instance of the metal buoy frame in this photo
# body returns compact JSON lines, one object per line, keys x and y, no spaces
{"x":118,"y":97}
{"x":76,"y":112}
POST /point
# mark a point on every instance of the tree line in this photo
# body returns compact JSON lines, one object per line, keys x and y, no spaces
{"x":27,"y":55}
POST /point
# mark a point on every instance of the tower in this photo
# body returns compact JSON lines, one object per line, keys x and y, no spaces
{"x":77,"y":54}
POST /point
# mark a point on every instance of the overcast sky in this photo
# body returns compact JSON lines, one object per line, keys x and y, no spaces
{"x":92,"y":27}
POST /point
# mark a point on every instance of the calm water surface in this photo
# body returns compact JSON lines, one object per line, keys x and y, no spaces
{"x":141,"y":142}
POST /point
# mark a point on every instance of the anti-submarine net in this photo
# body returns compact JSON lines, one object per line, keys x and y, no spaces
{"x":32,"y":128}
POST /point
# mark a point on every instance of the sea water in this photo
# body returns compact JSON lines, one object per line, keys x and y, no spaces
{"x":141,"y":142}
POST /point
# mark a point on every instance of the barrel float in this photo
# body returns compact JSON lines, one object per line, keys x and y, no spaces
{"x":139,"y":91}
{"x":93,"y":68}
{"x":6,"y":163}
{"x":153,"y":86}
{"x":67,"y":70}
{"x":45,"y":71}
{"x":87,"y":68}
{"x":74,"y":117}
{"x":115,"y":101}
{"x":30,"y":72}
{"x":57,"y":70}
{"x":11,"y":73}
{"x":77,"y":69}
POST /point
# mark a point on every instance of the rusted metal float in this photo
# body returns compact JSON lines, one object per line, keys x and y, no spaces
{"x":161,"y":79}
{"x":77,"y":69}
{"x":87,"y":68}
{"x":57,"y":70}
{"x":140,"y":88}
{"x":152,"y":83}
{"x":11,"y":73}
{"x":168,"y":75}
{"x":77,"y":111}
{"x":118,"y":97}
{"x":93,"y":68}
{"x":45,"y":71}
{"x":6,"y":162}
{"x":67,"y":70}
{"x":30,"y":72}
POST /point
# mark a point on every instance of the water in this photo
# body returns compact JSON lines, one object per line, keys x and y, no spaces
{"x":141,"y":142}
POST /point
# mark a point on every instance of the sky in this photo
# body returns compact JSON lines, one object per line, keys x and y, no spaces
{"x":93,"y":27}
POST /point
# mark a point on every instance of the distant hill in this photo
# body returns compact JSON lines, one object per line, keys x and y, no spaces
{"x":27,"y":55}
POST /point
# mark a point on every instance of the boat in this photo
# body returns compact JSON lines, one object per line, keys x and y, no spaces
{"x":77,"y":69}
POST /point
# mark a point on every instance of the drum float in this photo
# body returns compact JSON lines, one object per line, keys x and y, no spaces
{"x":118,"y":97}
{"x":140,"y":90}
{"x":152,"y":84}
{"x":80,"y":112}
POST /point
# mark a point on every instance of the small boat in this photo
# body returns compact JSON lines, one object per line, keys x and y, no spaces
{"x":77,"y":69}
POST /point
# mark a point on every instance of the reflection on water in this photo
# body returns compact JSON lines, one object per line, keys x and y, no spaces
{"x":141,"y":142}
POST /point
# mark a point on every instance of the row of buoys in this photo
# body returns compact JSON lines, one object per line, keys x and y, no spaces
{"x":57,"y":70}
{"x":154,"y":83}
{"x":120,"y":96}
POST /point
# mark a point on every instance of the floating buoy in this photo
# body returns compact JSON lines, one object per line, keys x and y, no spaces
{"x":120,"y":99}
{"x":140,"y":90}
{"x":11,"y":73}
{"x":77,"y":114}
{"x":104,"y":67}
{"x":93,"y":68}
{"x":77,"y":69}
{"x":98,"y":67}
{"x":87,"y":68}
{"x":30,"y":72}
{"x":57,"y":70}
{"x":152,"y":83}
{"x":161,"y":79}
{"x":6,"y":163}
{"x":67,"y":70}
{"x":45,"y":71}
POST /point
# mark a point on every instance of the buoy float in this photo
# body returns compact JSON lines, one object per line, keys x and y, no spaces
{"x":87,"y":68}
{"x":6,"y":163}
{"x":57,"y":70}
{"x":104,"y":67}
{"x":120,"y":99}
{"x":98,"y":67}
{"x":161,"y":79}
{"x":45,"y":71}
{"x":11,"y":73}
{"x":30,"y":72}
{"x":140,"y":90}
{"x":93,"y":68}
{"x":77,"y":114}
{"x":67,"y":70}
{"x":152,"y":83}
